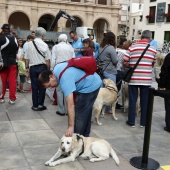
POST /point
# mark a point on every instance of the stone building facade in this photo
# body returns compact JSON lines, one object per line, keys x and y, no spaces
{"x":28,"y":14}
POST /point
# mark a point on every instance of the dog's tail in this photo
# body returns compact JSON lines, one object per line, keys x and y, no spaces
{"x":114,"y":156}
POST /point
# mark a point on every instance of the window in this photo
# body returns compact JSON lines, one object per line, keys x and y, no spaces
{"x":133,"y":32}
{"x":141,"y":18}
{"x":152,"y":14}
{"x":152,"y":0}
{"x":167,"y":36}
{"x":140,"y":6}
{"x":134,"y":20}
{"x":102,"y":2}
{"x":168,"y":17}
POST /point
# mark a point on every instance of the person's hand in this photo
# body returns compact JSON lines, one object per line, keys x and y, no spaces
{"x":69,"y":131}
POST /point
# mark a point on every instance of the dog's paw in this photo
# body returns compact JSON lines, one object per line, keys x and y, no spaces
{"x":91,"y":160}
{"x":99,"y":123}
{"x":52,"y":164}
{"x":47,"y":163}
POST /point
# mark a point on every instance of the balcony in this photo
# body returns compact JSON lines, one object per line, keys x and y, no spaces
{"x":151,"y":20}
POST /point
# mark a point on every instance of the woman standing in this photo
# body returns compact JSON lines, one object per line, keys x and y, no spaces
{"x":107,"y":56}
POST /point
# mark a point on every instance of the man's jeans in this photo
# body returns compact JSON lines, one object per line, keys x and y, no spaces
{"x":38,"y":92}
{"x":133,"y":95}
{"x":83,"y":112}
{"x":113,"y":78}
{"x":167,"y":113}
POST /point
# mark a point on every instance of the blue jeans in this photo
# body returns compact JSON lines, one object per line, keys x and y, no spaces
{"x":83,"y":112}
{"x":133,"y":95}
{"x":113,"y":78}
{"x":38,"y":92}
{"x":167,"y":113}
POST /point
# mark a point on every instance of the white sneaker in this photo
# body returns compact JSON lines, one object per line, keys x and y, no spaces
{"x":29,"y":81}
{"x":11,"y":101}
{"x":2,"y":101}
{"x":142,"y":126}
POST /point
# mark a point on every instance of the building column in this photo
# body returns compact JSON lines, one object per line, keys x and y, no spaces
{"x":3,"y":9}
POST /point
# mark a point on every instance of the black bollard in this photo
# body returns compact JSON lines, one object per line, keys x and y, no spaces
{"x":144,"y":162}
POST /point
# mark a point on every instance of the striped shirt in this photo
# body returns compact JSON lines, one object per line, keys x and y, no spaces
{"x":143,"y":73}
{"x":32,"y":54}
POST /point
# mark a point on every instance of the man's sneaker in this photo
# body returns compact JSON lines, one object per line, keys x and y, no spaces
{"x":11,"y":101}
{"x":129,"y":124}
{"x":142,"y":126}
{"x":2,"y":100}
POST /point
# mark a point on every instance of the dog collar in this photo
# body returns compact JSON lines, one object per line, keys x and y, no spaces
{"x":78,"y":138}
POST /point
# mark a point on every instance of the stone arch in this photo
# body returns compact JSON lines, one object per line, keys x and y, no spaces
{"x":79,"y":22}
{"x":15,"y":19}
{"x":100,"y":26}
{"x":46,"y":20}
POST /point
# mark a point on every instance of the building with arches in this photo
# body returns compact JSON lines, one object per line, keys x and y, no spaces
{"x":102,"y":15}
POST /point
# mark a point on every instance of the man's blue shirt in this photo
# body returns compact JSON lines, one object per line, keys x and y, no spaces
{"x":72,"y":75}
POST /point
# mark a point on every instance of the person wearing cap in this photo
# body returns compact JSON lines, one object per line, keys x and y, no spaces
{"x":37,"y":60}
{"x":61,"y":52}
{"x":9,"y":48}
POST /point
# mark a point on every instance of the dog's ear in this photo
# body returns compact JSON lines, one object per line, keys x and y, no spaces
{"x":78,"y":137}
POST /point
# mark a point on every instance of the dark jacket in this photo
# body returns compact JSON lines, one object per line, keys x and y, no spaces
{"x":164,"y":81}
{"x":9,"y":48}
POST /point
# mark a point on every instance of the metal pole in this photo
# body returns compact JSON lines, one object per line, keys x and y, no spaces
{"x":148,"y":126}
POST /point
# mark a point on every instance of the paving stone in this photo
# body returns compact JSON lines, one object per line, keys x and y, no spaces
{"x":12,"y":158}
{"x":5,"y":126}
{"x":8,"y":140}
{"x":3,"y":115}
{"x":24,"y":168}
{"x":68,"y":166}
{"x":40,"y":137}
{"x":38,"y":155}
{"x":29,"y":125}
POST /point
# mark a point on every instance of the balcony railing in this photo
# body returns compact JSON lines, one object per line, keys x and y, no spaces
{"x":151,"y":20}
{"x":168,"y":19}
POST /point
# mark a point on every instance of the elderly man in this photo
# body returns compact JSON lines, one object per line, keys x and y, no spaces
{"x":141,"y":78}
{"x":80,"y":113}
{"x":37,"y":57}
{"x":60,"y":53}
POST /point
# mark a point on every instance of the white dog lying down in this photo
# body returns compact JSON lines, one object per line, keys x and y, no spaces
{"x":94,"y":149}
{"x":106,"y":96}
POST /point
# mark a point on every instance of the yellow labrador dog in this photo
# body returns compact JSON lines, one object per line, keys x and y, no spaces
{"x":94,"y":149}
{"x":106,"y":96}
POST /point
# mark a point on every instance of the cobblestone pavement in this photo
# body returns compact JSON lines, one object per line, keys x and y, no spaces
{"x":28,"y":138}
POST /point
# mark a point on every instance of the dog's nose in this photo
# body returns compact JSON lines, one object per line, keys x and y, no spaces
{"x":63,"y":149}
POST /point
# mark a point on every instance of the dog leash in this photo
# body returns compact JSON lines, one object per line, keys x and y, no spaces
{"x":78,"y":138}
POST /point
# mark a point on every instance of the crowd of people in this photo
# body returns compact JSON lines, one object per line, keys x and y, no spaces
{"x":34,"y":61}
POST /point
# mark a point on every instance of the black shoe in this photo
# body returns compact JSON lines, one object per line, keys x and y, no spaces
{"x":42,"y":108}
{"x":61,"y":114}
{"x":129,"y":124}
{"x":165,"y":128}
{"x":118,"y":106}
{"x":36,"y":109}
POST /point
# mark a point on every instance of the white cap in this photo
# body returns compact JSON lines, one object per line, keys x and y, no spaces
{"x":62,"y":38}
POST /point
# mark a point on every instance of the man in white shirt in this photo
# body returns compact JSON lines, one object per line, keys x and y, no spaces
{"x":37,"y":61}
{"x":60,"y":53}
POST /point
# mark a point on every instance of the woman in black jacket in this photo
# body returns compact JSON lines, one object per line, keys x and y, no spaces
{"x":164,"y":84}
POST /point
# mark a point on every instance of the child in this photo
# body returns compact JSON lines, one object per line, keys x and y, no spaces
{"x":22,"y":73}
{"x":89,"y":47}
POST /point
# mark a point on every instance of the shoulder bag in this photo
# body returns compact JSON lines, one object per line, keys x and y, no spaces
{"x":129,"y":73}
{"x":37,"y":49}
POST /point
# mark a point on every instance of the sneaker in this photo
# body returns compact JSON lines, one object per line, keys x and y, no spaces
{"x":2,"y":100}
{"x":142,"y":126}
{"x":129,"y":124}
{"x":29,"y":81}
{"x":118,"y":106}
{"x":11,"y":101}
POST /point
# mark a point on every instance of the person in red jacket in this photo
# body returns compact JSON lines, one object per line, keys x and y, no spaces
{"x":88,"y":47}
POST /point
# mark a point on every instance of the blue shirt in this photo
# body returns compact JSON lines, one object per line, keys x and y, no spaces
{"x":154,"y":44}
{"x":72,"y":75}
{"x":96,"y":49}
{"x":78,"y":45}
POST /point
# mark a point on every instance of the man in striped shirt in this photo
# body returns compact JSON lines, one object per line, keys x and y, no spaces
{"x":141,"y":78}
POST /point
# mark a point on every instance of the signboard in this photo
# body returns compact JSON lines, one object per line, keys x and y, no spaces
{"x":160,"y":12}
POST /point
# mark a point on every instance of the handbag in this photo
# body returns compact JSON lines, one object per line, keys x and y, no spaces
{"x":100,"y":70}
{"x":129,"y":73}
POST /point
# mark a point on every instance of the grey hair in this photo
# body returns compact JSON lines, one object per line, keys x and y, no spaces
{"x":62,"y":38}
{"x":40,"y":32}
{"x":146,"y":34}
